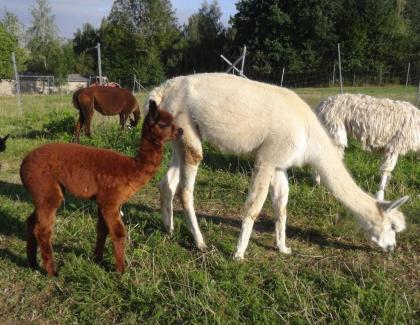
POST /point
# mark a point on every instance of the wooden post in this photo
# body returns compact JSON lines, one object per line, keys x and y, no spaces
{"x":339,"y":68}
{"x":17,"y":83}
{"x":418,"y":96}
{"x":333,"y":78}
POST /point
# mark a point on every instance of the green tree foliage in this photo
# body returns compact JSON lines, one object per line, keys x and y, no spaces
{"x":14,"y":27}
{"x":43,"y":43}
{"x":146,"y":32}
{"x":295,"y":34}
{"x":84,"y":42}
{"x":7,"y":46}
{"x":203,"y":40}
{"x":302,"y":35}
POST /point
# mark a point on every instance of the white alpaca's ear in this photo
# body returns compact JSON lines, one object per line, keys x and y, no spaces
{"x":389,"y":206}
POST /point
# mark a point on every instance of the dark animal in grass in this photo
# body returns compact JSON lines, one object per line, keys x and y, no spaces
{"x":90,"y":173}
{"x":107,"y":101}
{"x":3,"y":143}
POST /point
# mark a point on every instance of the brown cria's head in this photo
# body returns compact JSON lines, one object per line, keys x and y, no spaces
{"x":158,"y":126}
{"x":3,"y":143}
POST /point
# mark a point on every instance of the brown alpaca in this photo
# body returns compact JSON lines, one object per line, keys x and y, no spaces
{"x":107,"y":101}
{"x":102,"y":175}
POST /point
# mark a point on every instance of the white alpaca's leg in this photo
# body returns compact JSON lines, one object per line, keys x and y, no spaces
{"x":189,"y":161}
{"x":388,"y":165}
{"x":168,"y":187}
{"x":256,"y":196}
{"x":279,"y":191}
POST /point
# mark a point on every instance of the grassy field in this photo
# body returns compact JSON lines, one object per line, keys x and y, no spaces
{"x":334,"y":274}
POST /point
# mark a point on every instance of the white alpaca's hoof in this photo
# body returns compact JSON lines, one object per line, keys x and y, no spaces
{"x":285,"y":250}
{"x":121,"y":213}
{"x":202,"y":247}
{"x":169,"y":229}
{"x":238,"y":257}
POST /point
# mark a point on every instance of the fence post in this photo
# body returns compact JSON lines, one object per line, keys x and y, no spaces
{"x":333,"y":77}
{"x":17,"y":83}
{"x":282,"y":76}
{"x":408,"y":75}
{"x":339,"y":68}
{"x":243,"y":61}
{"x":418,"y":96}
{"x":98,"y":46}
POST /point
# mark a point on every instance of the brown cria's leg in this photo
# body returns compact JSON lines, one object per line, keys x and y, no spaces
{"x":117,"y":231}
{"x":47,"y":204}
{"x":43,"y":232}
{"x":31,"y":242}
{"x":102,"y":232}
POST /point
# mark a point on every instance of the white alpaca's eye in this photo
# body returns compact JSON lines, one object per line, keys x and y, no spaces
{"x":393,"y":227}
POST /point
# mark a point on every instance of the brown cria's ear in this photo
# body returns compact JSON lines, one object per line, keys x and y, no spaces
{"x":153,"y":114}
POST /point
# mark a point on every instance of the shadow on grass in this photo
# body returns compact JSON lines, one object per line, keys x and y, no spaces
{"x":267,"y":226}
{"x":14,"y":191}
{"x":12,"y":257}
{"x":11,"y":225}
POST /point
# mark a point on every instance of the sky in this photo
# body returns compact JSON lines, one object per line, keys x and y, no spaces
{"x":72,"y":14}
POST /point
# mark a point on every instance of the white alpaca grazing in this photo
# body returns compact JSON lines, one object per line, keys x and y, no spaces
{"x":380,"y":124}
{"x":280,"y":130}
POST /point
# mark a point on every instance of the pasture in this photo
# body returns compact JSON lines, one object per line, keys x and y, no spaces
{"x":333,"y":275}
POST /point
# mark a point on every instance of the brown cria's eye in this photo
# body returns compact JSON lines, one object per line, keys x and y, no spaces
{"x":163,"y":125}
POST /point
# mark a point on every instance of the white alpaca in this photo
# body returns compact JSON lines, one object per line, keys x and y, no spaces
{"x":280,"y":130}
{"x":380,"y":124}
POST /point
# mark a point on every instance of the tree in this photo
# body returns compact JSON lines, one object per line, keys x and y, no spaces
{"x":295,"y":34}
{"x":84,"y":42}
{"x":8,"y":45}
{"x":43,"y":40}
{"x":302,"y":35}
{"x":204,"y":39}
{"x":14,"y":27}
{"x":153,"y":24}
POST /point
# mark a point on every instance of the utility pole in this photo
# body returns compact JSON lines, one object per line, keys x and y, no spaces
{"x":17,"y":83}
{"x":98,"y":47}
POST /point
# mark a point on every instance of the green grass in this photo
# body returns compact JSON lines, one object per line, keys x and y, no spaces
{"x":334,"y":274}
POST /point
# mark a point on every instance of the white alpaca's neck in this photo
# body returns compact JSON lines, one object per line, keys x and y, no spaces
{"x":325,"y":159}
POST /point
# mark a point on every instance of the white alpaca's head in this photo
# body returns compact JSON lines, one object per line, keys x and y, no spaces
{"x":393,"y":221}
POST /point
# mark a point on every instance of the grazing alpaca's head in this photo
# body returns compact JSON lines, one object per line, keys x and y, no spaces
{"x":3,"y":143}
{"x":383,"y":233}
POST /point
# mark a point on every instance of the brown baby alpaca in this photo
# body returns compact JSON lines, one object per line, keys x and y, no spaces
{"x":90,"y":173}
{"x":107,"y":101}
